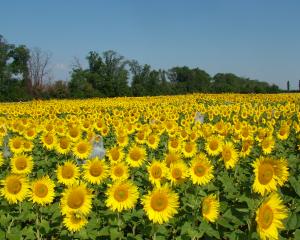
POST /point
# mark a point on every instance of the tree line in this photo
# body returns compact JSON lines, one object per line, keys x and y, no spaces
{"x":24,"y":73}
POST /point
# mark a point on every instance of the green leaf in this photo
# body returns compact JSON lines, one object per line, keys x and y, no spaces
{"x":223,"y":222}
{"x":115,"y":234}
{"x":292,"y":221}
{"x":295,"y":184}
{"x":297,"y":234}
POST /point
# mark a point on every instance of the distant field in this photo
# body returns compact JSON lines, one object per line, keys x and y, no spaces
{"x":211,"y":166}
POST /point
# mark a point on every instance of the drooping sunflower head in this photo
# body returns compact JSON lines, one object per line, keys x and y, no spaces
{"x":82,"y":149}
{"x":119,"y":171}
{"x":42,"y":191}
{"x":161,"y":204}
{"x":77,"y":198}
{"x":269,"y":217}
{"x":21,"y":164}
{"x":178,"y":172}
{"x":122,"y":196}
{"x":15,"y":188}
{"x":95,"y":171}
{"x":136,"y":156}
{"x":201,"y":170}
{"x":229,"y":155}
{"x":157,"y":171}
{"x":67,"y":173}
{"x":210,"y":208}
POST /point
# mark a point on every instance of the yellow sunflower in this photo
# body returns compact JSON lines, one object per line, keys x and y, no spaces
{"x":269,"y":217}
{"x":178,"y":172}
{"x":157,"y":171}
{"x":136,"y":156}
{"x":115,"y":154}
{"x":95,"y":171}
{"x":48,"y":140}
{"x":229,"y":155}
{"x":77,"y":198}
{"x":161,"y":204}
{"x":119,"y":171}
{"x":74,"y":221}
{"x":21,"y":164}
{"x":42,"y":191}
{"x":210,"y":208}
{"x":67,"y":173}
{"x":1,"y":159}
{"x":189,"y":149}
{"x":27,"y":146}
{"x":267,"y":145}
{"x":213,"y":145}
{"x":122,"y":196}
{"x":15,"y":188}
{"x":246,"y":148}
{"x":63,"y":145}
{"x":174,"y":145}
{"x":268,"y":173}
{"x":201,"y":170}
{"x":152,"y":140}
{"x":82,"y":149}
{"x":171,"y":157}
{"x":16,"y":144}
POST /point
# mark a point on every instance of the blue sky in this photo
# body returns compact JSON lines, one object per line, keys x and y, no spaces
{"x":256,"y":39}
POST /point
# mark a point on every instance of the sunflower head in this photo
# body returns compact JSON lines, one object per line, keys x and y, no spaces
{"x":67,"y":173}
{"x":95,"y":171}
{"x":269,"y":217}
{"x":210,"y":208}
{"x":136,"y":156}
{"x":161,"y":204}
{"x":201,"y":170}
{"x":42,"y":191}
{"x":119,"y":171}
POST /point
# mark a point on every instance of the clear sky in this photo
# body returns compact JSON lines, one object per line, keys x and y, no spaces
{"x":259,"y":39}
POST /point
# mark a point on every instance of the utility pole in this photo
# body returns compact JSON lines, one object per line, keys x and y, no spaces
{"x":288,"y":86}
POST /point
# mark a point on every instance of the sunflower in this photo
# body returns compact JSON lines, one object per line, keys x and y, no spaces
{"x":268,"y":173}
{"x":63,"y":145}
{"x":82,"y":149}
{"x":213,"y":145}
{"x":136,"y":156}
{"x":119,"y":171}
{"x":171,"y":158}
{"x":283,"y":132}
{"x":48,"y":140}
{"x":74,"y":133}
{"x":42,"y":191}
{"x":201,"y":170}
{"x":122,"y":140}
{"x":178,"y":172}
{"x":67,"y":173}
{"x":95,"y":171}
{"x":16,"y":144}
{"x":189,"y":149}
{"x":30,"y":133}
{"x":152,"y":141}
{"x":161,"y":204}
{"x":15,"y":188}
{"x":27,"y":146}
{"x":77,"y":198}
{"x":174,"y":145}
{"x":122,"y":196}
{"x":21,"y":164}
{"x":269,"y":217}
{"x":115,"y":154}
{"x":74,"y":221}
{"x":210,"y":208}
{"x":157,"y":171}
{"x":229,"y":155}
{"x":267,"y":145}
{"x":246,"y":148}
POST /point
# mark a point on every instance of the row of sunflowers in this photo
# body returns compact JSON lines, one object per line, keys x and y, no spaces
{"x":181,"y":167}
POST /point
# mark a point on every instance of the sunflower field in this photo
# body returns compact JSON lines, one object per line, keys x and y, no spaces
{"x":201,"y":166}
